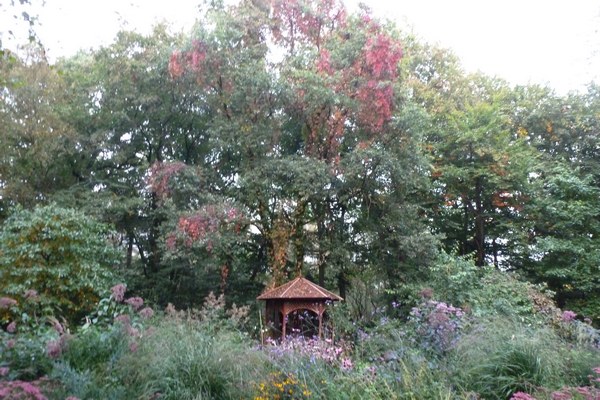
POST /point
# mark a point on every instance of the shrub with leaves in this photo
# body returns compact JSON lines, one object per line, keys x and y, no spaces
{"x":61,"y":255}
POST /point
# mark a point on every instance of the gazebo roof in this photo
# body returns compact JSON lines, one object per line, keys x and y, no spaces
{"x":299,"y":288}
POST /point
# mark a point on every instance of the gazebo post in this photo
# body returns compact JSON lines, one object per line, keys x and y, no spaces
{"x":320,"y":324}
{"x":283,"y":327}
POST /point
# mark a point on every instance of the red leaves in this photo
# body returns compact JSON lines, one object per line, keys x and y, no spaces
{"x":366,"y":75}
{"x":192,"y":60}
{"x":205,"y":225}
{"x":175,"y":66}
{"x":324,"y":63}
{"x":305,"y":21}
{"x":376,"y":104}
{"x":159,"y":175}
{"x":381,"y":56}
{"x":377,"y":70}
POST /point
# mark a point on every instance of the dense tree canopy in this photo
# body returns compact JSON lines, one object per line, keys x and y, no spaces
{"x":292,"y":137}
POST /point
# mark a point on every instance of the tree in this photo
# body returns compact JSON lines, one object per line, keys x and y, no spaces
{"x":308,"y":143}
{"x":59,"y":256}
{"x":37,"y":141}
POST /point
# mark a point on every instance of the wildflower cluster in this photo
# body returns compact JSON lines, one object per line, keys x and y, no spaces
{"x":437,"y":325}
{"x":590,"y":392}
{"x":280,"y":386}
{"x":22,"y":390}
{"x":117,"y":308}
{"x":214,"y":313}
{"x":314,"y":349}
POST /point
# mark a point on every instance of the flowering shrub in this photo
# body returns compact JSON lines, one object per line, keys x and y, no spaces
{"x":590,"y":392}
{"x":212,"y":315}
{"x":437,"y":325}
{"x":280,"y":386}
{"x":568,"y":316}
{"x":20,"y":390}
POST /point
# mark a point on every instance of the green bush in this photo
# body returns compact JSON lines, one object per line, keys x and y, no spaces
{"x":95,"y":348}
{"x":58,"y":257}
{"x":25,"y":355}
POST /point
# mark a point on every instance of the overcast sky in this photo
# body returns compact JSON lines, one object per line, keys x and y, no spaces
{"x":554,"y":42}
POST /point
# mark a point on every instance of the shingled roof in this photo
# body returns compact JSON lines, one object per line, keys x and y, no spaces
{"x":299,"y":288}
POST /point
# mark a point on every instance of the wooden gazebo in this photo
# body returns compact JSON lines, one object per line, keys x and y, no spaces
{"x":294,"y":296}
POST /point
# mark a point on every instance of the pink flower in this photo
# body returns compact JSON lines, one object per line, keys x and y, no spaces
{"x":568,"y":316}
{"x":562,"y":395}
{"x":133,"y":346}
{"x":12,"y":327}
{"x":10,"y":343}
{"x":123,"y":319}
{"x":347,"y":364}
{"x":58,"y":327}
{"x":426,"y":293}
{"x":135,"y":302}
{"x":131,"y":331}
{"x":31,"y":294}
{"x":147,"y":312}
{"x":4,"y":371}
{"x":7,"y":302}
{"x":118,"y":292}
{"x":521,"y":396}
{"x":53,"y":349}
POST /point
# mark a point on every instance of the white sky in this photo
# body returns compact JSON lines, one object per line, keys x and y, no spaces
{"x":554,"y":42}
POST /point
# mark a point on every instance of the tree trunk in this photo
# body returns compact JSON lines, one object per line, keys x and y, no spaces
{"x":479,"y":224}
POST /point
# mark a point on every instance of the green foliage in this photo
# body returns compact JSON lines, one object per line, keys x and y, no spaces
{"x":54,"y":261}
{"x":25,"y":355}
{"x":87,"y":368}
{"x":96,"y":349}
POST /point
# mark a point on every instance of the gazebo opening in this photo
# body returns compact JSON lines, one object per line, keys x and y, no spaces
{"x":297,"y":308}
{"x":303,"y":322}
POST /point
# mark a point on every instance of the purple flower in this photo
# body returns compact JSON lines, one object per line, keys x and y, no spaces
{"x":135,"y":302}
{"x":146,"y":312}
{"x":4,"y":371}
{"x":118,"y":292}
{"x":568,"y":316}
{"x":12,"y":327}
{"x":7,"y":302}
